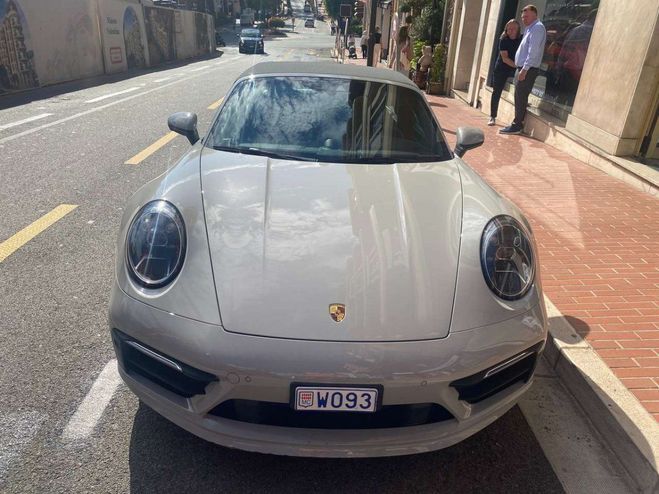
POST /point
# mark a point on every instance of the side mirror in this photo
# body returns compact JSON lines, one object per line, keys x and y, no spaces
{"x":184,"y":123}
{"x":467,"y":138}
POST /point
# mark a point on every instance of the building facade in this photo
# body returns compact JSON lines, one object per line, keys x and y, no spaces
{"x":598,"y":88}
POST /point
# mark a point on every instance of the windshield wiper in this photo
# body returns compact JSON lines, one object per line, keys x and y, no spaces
{"x":261,"y":152}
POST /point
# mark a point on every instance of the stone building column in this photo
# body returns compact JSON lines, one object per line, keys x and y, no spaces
{"x":468,"y":29}
{"x":620,"y":77}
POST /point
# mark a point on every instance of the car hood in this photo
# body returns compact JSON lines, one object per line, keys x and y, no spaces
{"x":288,"y":239}
{"x":249,"y":38}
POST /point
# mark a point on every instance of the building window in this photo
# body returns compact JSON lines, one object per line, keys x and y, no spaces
{"x":569,"y":26}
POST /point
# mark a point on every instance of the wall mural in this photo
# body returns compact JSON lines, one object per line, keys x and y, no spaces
{"x":160,"y":34}
{"x":76,"y":53}
{"x":133,"y":39}
{"x":16,"y":57}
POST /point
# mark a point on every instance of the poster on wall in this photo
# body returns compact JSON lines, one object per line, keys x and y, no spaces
{"x":16,"y":54}
{"x":159,"y":25}
{"x":122,"y":28}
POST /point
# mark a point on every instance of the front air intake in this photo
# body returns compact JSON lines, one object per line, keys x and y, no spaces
{"x":480,"y":386}
{"x":163,"y":370}
{"x":282,"y":415}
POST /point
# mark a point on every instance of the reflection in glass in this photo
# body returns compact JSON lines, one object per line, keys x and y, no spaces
{"x":328,"y":119}
{"x":569,"y":27}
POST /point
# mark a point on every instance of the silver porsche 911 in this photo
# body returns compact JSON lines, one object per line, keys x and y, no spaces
{"x":321,"y":275}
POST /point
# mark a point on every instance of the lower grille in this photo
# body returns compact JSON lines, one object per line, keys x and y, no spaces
{"x":281,"y":414}
{"x":478,"y":387}
{"x":166,"y":372}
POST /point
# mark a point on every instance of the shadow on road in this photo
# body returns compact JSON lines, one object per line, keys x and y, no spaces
{"x":504,"y":458}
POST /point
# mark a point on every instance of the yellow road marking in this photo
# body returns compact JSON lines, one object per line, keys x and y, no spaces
{"x":15,"y":242}
{"x":142,"y":155}
{"x":217,"y":104}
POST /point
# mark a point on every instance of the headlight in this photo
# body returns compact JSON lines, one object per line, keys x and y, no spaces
{"x":155,"y":244}
{"x":507,"y":258}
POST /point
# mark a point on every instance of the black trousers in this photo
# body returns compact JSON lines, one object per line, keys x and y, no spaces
{"x":364,"y":50}
{"x":522,"y":91}
{"x":499,"y":79}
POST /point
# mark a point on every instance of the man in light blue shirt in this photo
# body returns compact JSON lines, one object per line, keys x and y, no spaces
{"x":528,"y":59}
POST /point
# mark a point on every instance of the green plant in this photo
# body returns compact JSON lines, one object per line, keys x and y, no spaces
{"x":355,"y":27}
{"x":417,"y":51}
{"x":438,"y":63}
{"x":428,"y":24}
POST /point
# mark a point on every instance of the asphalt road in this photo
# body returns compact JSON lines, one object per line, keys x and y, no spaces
{"x":54,"y":291}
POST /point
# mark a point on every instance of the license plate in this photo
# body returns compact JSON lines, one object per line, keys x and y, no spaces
{"x":338,"y":399}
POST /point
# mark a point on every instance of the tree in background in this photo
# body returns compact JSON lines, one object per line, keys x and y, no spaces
{"x":427,"y":23}
{"x":333,"y":6}
{"x":263,"y":6}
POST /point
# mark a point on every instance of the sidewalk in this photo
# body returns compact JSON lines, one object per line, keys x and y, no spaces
{"x":598,"y":241}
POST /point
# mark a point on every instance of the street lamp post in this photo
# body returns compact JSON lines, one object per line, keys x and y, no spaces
{"x":371,"y":32}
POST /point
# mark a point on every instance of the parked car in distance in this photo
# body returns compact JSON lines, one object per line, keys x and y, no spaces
{"x":321,"y":275}
{"x":309,"y":23}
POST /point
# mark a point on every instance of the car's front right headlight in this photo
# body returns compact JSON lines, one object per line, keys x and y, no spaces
{"x":155,"y":245}
{"x":507,"y":258}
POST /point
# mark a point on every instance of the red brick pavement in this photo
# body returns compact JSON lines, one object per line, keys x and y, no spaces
{"x":598,"y":239}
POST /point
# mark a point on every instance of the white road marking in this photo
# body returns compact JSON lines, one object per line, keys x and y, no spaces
{"x":16,"y":430}
{"x":112,"y":95}
{"x":200,"y":68}
{"x":92,"y":407}
{"x":163,"y":79}
{"x":103,"y":107}
{"x":25,"y":120}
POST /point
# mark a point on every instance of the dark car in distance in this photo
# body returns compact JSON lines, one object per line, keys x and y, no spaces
{"x":251,"y":41}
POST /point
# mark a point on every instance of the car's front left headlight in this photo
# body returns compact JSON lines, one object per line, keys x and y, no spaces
{"x":507,"y":258}
{"x":155,"y":245}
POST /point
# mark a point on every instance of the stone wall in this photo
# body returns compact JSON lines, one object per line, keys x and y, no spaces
{"x":49,"y":42}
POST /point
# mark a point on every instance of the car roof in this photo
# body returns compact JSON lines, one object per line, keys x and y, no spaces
{"x":327,"y":69}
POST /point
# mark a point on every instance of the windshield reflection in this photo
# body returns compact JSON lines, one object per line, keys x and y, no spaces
{"x":328,"y":119}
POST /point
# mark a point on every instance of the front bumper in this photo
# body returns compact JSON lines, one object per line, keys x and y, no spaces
{"x":251,"y":48}
{"x":243,"y":368}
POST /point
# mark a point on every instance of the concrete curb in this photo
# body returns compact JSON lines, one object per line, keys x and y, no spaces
{"x":628,"y":429}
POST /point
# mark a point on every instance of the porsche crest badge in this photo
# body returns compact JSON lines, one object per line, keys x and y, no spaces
{"x":337,"y":312}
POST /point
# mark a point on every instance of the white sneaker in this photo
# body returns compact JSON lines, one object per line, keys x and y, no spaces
{"x":492,"y":121}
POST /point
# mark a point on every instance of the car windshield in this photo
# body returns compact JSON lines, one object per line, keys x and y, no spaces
{"x":328,"y":119}
{"x":250,"y":33}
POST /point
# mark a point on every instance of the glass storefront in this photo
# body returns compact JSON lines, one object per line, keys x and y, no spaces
{"x":569,"y":25}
